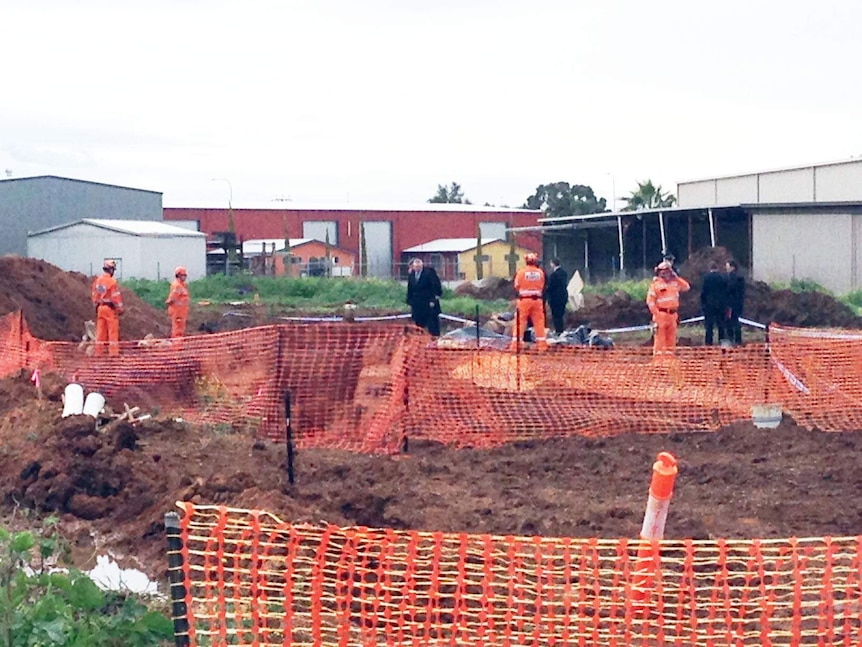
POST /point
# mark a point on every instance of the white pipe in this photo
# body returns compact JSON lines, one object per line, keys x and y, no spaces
{"x":661,"y":228}
{"x":711,"y":227}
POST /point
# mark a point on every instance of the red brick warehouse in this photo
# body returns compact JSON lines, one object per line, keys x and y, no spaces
{"x":387,"y":231}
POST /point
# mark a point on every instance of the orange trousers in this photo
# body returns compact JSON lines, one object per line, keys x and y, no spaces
{"x":664,"y":340}
{"x":107,"y":330}
{"x":178,"y":325}
{"x":535,"y":310}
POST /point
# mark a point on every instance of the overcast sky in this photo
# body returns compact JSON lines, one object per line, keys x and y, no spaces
{"x":379,"y":101}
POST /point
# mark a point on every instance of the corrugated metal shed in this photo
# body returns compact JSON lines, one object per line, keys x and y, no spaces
{"x":142,"y":249}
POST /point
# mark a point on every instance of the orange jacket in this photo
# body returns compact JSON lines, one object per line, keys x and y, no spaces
{"x":530,"y":281}
{"x":178,"y":299}
{"x":106,"y":292}
{"x":664,"y":295}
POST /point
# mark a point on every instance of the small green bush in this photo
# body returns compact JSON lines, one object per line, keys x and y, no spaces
{"x":39,"y":606}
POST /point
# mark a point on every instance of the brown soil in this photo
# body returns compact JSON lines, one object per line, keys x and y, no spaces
{"x":111,"y":487}
{"x":56,"y":303}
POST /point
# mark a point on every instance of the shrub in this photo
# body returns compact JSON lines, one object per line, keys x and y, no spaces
{"x":42,"y":606}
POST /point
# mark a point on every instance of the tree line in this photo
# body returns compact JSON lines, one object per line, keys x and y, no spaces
{"x":560,"y":199}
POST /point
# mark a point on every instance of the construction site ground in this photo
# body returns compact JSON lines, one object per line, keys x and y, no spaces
{"x":110,"y":488}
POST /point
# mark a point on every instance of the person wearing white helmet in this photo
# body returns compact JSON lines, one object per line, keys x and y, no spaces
{"x":178,"y":302}
{"x":663,"y":303}
{"x":106,"y":297}
{"x":529,"y":283}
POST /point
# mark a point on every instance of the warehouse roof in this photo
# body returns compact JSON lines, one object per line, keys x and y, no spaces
{"x":147,"y":228}
{"x":282,"y":205}
{"x":448,"y":245}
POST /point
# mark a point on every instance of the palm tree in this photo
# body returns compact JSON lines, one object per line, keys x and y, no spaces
{"x":648,"y":196}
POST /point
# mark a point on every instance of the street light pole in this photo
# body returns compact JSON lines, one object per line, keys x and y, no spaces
{"x":613,"y":193}
{"x":229,"y":254}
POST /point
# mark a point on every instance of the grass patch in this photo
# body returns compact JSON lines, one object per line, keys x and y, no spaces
{"x":311,"y":294}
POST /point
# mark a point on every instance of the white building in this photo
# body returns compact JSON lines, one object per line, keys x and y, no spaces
{"x":143,"y":249}
{"x":806,"y":222}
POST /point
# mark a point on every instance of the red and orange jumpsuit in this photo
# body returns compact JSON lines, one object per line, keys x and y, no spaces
{"x":663,"y":302}
{"x":178,"y":307}
{"x":530,"y":284}
{"x":106,"y":296}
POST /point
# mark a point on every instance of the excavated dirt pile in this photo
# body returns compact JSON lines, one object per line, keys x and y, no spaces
{"x":56,"y":303}
{"x":111,"y":487}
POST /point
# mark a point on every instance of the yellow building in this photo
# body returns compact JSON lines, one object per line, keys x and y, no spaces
{"x":455,"y":258}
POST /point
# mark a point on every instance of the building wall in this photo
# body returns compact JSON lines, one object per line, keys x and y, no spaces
{"x":737,"y":190}
{"x":343,"y":261}
{"x":496,"y":265}
{"x":787,"y":186}
{"x":409,"y":228}
{"x":84,"y":247}
{"x":32,"y":204}
{"x":838,"y":182}
{"x":785,"y":247}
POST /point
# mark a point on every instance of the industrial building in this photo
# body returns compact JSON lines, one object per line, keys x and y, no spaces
{"x":37,"y":203}
{"x":454,"y":259}
{"x":142,"y":249}
{"x":780,"y":225}
{"x":387,"y":232}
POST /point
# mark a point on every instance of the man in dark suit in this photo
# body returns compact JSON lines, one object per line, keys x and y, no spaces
{"x":713,"y":303}
{"x":423,"y":296}
{"x":557,"y":294}
{"x":735,"y":301}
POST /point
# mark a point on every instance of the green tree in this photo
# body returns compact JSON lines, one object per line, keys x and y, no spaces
{"x":648,"y":196}
{"x":559,"y":199}
{"x":452,"y":194}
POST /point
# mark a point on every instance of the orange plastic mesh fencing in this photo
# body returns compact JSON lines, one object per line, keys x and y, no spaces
{"x":486,"y":397}
{"x":251,"y":579}
{"x":818,"y":376}
{"x":345,"y":382}
{"x":366,"y":387}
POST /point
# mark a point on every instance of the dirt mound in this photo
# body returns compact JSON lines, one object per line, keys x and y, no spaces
{"x":490,"y":288}
{"x":762,"y":303}
{"x":111,"y":487}
{"x":56,"y":303}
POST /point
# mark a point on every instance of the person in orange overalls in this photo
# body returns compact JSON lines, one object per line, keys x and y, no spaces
{"x":178,"y":302}
{"x":663,"y":302}
{"x":106,"y":296}
{"x":530,"y":286}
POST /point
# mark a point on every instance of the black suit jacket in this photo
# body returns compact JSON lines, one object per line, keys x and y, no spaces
{"x":713,"y":295}
{"x":556,"y":289}
{"x":735,"y":292}
{"x":421,"y":293}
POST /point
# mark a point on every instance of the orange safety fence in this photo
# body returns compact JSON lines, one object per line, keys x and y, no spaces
{"x":367,"y":387}
{"x":244,"y":577}
{"x":819,"y":376}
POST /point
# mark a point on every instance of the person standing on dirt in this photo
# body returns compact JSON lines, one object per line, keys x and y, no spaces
{"x":530,"y":286}
{"x":713,"y":303}
{"x":178,"y":302}
{"x":106,"y":297}
{"x":423,"y":296}
{"x":735,"y":301}
{"x":663,"y":302}
{"x":557,"y":294}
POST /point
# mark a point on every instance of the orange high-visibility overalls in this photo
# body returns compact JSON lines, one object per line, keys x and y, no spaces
{"x":663,"y":302}
{"x":178,"y":307}
{"x":530,"y":284}
{"x":106,"y":296}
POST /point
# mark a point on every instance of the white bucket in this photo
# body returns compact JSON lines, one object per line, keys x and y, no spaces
{"x":766,"y":416}
{"x":73,"y":400}
{"x":94,"y":404}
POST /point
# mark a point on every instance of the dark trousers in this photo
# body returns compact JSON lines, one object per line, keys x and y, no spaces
{"x":734,"y":328}
{"x":427,"y":317}
{"x":558,"y":311}
{"x":713,"y":318}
